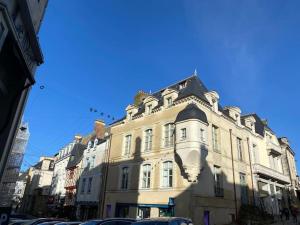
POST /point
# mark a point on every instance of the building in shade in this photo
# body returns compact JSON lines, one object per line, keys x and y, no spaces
{"x":13,"y":166}
{"x":20,"y":55}
{"x":37,"y":191}
{"x":90,"y":184}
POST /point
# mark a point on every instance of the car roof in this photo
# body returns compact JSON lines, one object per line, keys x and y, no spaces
{"x":164,"y":219}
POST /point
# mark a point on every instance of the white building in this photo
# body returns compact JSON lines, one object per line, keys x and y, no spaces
{"x":91,"y":178}
{"x":58,"y":190}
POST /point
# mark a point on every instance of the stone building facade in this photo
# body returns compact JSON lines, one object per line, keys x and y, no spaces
{"x":37,"y":191}
{"x":178,"y":152}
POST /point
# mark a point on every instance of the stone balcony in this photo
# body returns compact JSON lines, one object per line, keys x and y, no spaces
{"x":270,"y":173}
{"x":274,"y":148}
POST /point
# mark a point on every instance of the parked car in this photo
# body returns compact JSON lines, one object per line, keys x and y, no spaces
{"x":69,"y":223}
{"x":111,"y":221}
{"x":38,"y":221}
{"x":17,"y":221}
{"x":50,"y":222}
{"x":164,"y":221}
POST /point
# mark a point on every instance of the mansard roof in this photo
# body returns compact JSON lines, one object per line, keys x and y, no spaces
{"x":194,"y":86}
{"x":76,"y":155}
{"x":259,"y":125}
{"x":191,"y":111}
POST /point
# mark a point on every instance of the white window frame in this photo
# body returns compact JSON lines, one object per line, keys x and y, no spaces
{"x":127,"y":144}
{"x":169,"y":101}
{"x":215,"y":138}
{"x":148,"y":140}
{"x":168,"y":135}
{"x":239,"y":146}
{"x":148,"y":183}
{"x":163,"y":184}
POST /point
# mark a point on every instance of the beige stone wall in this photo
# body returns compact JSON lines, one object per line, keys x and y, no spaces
{"x":191,"y":198}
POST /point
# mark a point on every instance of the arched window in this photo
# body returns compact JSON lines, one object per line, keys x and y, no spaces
{"x":95,"y":142}
{"x":167,"y":174}
{"x":146,"y":176}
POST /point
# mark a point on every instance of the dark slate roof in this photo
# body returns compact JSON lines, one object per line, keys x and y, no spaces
{"x":193,"y":87}
{"x":259,"y":125}
{"x":76,"y":155}
{"x":191,"y":111}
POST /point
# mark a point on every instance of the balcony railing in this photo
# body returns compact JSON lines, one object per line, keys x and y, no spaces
{"x":219,"y":191}
{"x":272,"y":147}
{"x":268,"y":172}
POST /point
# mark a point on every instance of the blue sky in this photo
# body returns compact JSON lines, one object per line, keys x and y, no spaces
{"x":100,"y":53}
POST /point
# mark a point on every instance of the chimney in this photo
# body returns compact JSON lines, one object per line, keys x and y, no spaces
{"x":99,"y":128}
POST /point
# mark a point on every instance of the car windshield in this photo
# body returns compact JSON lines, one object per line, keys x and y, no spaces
{"x":151,"y":223}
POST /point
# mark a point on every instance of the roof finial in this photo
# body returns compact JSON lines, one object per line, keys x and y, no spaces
{"x":195,"y":72}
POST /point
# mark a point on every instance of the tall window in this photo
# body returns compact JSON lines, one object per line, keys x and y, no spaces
{"x":169,"y":102}
{"x":202,"y":135}
{"x":169,"y":135}
{"x":239,"y":148}
{"x":83,"y":185}
{"x":87,"y":163}
{"x":215,"y":138}
{"x":244,"y":189}
{"x":89,"y":185}
{"x":218,"y":182}
{"x":183,"y":133}
{"x":130,"y":115}
{"x":92,"y":162}
{"x":146,"y":176}
{"x":127,"y":144}
{"x":255,"y":153}
{"x":148,"y":140}
{"x":124,"y":178}
{"x":167,"y":174}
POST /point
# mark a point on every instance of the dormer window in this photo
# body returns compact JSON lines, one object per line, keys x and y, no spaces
{"x":130,"y":115}
{"x":182,"y":85}
{"x":149,"y":109}
{"x":169,"y":101}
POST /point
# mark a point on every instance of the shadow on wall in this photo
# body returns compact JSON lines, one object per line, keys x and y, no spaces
{"x":212,"y":199}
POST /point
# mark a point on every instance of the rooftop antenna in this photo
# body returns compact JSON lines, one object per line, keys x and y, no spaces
{"x":195,"y":72}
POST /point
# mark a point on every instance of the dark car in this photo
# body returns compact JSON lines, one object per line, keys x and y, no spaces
{"x":112,"y":221}
{"x":38,"y":221}
{"x":164,"y":221}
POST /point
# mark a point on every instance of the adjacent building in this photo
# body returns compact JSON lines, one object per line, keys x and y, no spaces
{"x":19,"y":191}
{"x":13,"y":166}
{"x":90,"y":185}
{"x":58,"y":191}
{"x":178,"y":152}
{"x":73,"y":171}
{"x":37,"y":191}
{"x":20,"y":54}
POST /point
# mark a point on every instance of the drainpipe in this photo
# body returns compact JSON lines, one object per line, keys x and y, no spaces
{"x":233,"y":174}
{"x":253,"y":193}
{"x":103,"y":196}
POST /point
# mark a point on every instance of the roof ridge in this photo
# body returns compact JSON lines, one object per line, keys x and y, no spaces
{"x":174,"y":84}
